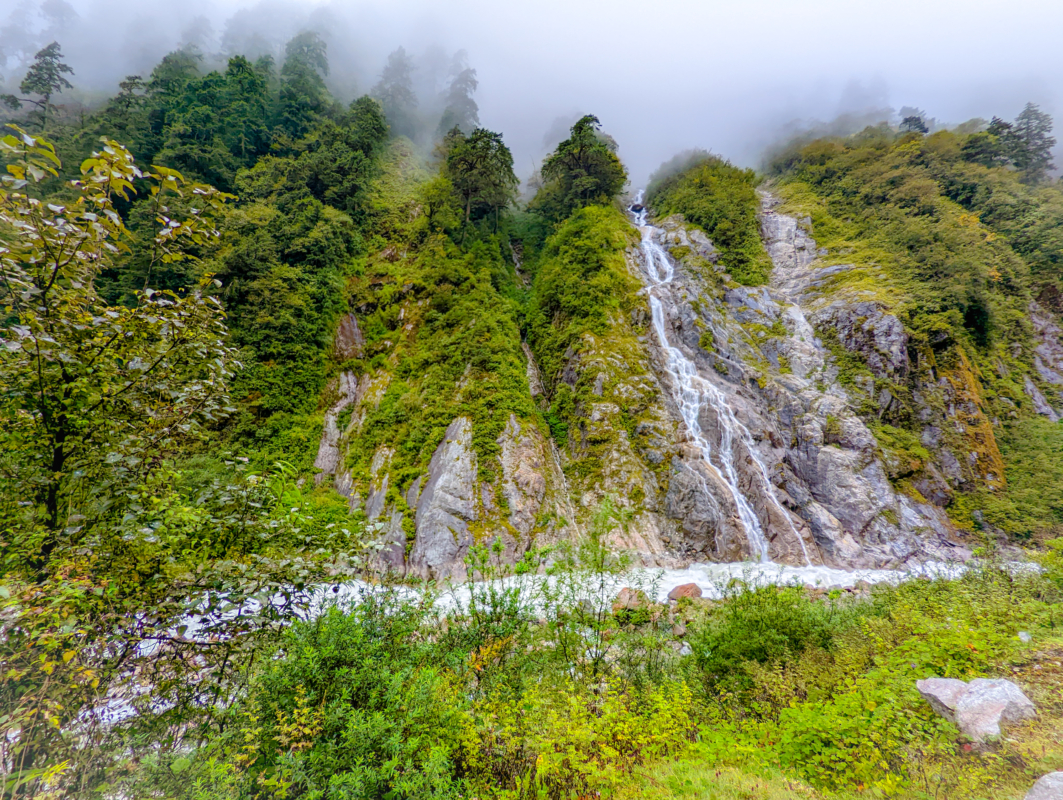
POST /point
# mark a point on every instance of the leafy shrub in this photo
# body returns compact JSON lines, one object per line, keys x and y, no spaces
{"x":721,"y":200}
{"x":760,"y":625}
{"x":839,"y":706}
{"x":356,"y":704}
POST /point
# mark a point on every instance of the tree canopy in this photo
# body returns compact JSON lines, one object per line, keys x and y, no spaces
{"x":461,"y":110}
{"x":1026,"y":144}
{"x":480,"y":168}
{"x":583,"y":170}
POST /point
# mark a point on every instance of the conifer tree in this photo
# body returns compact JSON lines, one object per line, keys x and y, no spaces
{"x":480,"y":166}
{"x":395,"y":92}
{"x":303,"y":96}
{"x":1031,"y":144}
{"x":44,"y":78}
{"x":583,"y":170}
{"x":461,"y":110}
{"x":914,"y":124}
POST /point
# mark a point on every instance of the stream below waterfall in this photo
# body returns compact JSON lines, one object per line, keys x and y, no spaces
{"x":691,"y":393}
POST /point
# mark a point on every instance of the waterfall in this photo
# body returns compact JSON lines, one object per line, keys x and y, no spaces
{"x":691,"y":392}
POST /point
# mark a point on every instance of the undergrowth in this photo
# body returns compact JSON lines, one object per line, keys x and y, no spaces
{"x":538,"y":689}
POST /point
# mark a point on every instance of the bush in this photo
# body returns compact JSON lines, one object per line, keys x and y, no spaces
{"x":759,"y":625}
{"x":721,"y":200}
{"x":356,"y":703}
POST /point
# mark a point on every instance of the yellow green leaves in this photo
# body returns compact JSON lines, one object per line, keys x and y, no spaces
{"x":33,"y":158}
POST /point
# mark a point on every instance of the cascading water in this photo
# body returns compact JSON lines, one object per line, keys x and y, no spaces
{"x":691,"y":392}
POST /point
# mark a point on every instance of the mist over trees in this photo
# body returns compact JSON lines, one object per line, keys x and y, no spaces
{"x":44,"y":78}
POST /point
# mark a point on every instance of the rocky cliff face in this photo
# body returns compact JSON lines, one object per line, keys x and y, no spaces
{"x":831,"y":499}
{"x":449,"y":507}
{"x":777,"y":364}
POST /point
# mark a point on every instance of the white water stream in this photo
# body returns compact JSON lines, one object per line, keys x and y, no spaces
{"x":691,"y":392}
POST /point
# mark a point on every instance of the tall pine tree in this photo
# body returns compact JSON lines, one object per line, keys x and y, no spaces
{"x":1031,"y":144}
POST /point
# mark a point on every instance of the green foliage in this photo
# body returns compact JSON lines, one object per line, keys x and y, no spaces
{"x":828,"y":689}
{"x":480,"y":168}
{"x":303,"y":99}
{"x":395,"y":696}
{"x":360,"y":706}
{"x":721,"y":200}
{"x":1026,"y":144}
{"x":914,"y":198}
{"x":1033,"y":503}
{"x":96,"y":395}
{"x":583,"y":170}
{"x":903,"y":453}
{"x":444,"y":340}
{"x":759,"y":625}
{"x":215,"y":124}
{"x":284,"y":254}
{"x":123,"y":559}
{"x":581,"y":280}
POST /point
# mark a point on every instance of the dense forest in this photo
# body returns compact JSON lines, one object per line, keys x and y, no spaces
{"x":332,"y":466}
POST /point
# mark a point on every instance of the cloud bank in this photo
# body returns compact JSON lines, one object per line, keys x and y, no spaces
{"x":731,"y":77}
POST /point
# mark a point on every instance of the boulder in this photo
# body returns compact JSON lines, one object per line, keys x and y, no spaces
{"x":943,"y":695}
{"x":1049,"y":787}
{"x":989,"y":704}
{"x":978,"y":708}
{"x":630,"y":599}
{"x":685,"y":590}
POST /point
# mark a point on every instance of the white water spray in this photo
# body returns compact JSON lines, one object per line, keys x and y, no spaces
{"x":691,"y":392}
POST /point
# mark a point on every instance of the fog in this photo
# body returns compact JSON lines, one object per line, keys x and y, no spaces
{"x":731,"y":77}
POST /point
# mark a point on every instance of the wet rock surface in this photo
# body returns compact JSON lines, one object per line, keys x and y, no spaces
{"x":828,"y":497}
{"x":446,"y":506}
{"x":349,"y":340}
{"x":790,"y":442}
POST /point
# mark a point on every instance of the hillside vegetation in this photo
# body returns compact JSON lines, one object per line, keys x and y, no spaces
{"x":958,"y":247}
{"x":222,"y":279}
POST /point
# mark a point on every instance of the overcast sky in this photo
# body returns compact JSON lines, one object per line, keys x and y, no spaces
{"x":663,"y":75}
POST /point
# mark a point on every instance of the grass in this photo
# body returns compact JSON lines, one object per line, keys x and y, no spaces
{"x":691,"y":777}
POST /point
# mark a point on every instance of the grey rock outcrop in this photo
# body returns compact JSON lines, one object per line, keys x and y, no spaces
{"x":446,"y":506}
{"x":523,"y":473}
{"x":349,"y":340}
{"x":1040,"y":404}
{"x":829,"y":497}
{"x":328,"y":450}
{"x":1048,"y":787}
{"x":1048,"y":349}
{"x":866,"y":328}
{"x":980,"y":708}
